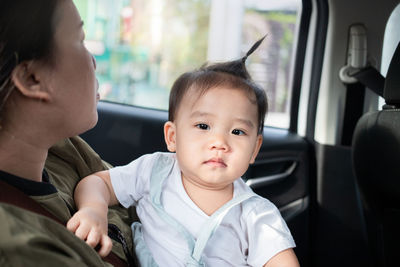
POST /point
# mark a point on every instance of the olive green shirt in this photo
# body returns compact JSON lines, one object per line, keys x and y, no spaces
{"x":29,"y":239}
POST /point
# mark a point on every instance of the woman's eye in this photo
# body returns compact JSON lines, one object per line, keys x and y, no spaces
{"x":238,"y":132}
{"x":202,"y":126}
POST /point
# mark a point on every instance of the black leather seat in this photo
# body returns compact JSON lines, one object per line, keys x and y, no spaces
{"x":376,"y":161}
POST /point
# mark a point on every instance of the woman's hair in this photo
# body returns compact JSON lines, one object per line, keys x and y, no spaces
{"x":26,"y":33}
{"x":232,"y":74}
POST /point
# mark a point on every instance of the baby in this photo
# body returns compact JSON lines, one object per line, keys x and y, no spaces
{"x":194,"y":208}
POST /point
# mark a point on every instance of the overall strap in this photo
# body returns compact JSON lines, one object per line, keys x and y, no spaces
{"x":12,"y":195}
{"x":213,"y":222}
{"x":162,"y":168}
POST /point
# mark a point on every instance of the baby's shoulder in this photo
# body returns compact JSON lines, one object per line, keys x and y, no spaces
{"x":254,"y":205}
{"x":257,"y":202}
{"x":258,"y":207}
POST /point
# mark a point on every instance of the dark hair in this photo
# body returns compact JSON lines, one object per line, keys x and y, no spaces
{"x":26,"y":33}
{"x":232,"y":74}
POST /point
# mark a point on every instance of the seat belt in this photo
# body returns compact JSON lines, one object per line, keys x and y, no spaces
{"x":11,"y":195}
{"x":371,"y":78}
{"x":367,"y":77}
{"x":357,"y":76}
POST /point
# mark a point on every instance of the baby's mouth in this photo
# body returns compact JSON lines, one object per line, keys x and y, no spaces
{"x":217,"y":162}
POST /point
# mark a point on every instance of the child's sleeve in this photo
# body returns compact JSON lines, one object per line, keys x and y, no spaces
{"x":267,"y":232}
{"x":131,"y":182}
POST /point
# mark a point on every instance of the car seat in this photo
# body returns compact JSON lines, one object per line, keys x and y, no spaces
{"x":376,"y":162}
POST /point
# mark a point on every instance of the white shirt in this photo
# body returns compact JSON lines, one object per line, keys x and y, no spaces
{"x":249,"y":235}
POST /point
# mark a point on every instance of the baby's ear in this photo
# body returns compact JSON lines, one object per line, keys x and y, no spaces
{"x":27,"y":81}
{"x":256,"y":148}
{"x":170,"y":135}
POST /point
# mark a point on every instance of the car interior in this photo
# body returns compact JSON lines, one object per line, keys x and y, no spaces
{"x":333,"y":169}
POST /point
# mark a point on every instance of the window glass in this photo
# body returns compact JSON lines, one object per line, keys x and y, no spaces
{"x":390,"y":42}
{"x":142,"y":46}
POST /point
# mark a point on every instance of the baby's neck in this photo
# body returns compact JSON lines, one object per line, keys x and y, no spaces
{"x":208,"y":200}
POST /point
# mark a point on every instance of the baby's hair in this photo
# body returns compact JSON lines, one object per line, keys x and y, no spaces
{"x":232,"y":74}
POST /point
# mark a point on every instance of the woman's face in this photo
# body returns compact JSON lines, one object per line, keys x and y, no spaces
{"x":71,"y":75}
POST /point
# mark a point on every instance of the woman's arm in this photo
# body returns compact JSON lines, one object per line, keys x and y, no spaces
{"x":93,"y":195}
{"x":286,"y":258}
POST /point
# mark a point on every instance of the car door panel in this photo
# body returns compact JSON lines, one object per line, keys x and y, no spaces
{"x":283,"y":167}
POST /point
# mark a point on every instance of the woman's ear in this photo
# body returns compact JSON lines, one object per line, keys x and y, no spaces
{"x":27,"y":81}
{"x":256,"y":148}
{"x":170,"y":135}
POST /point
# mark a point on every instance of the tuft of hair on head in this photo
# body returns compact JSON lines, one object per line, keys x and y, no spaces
{"x":235,"y":67}
{"x":253,"y":48}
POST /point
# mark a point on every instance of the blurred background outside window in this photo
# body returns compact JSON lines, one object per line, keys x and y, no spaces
{"x":142,"y":46}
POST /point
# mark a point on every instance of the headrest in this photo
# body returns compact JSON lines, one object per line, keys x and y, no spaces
{"x":391,"y":91}
{"x":376,"y":156}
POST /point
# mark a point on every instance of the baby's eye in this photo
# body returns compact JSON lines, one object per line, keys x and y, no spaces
{"x":238,"y":132}
{"x":203,"y":126}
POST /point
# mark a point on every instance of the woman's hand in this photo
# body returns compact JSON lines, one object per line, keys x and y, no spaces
{"x":90,"y":225}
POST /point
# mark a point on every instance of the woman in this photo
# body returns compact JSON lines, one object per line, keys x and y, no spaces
{"x":48,"y":93}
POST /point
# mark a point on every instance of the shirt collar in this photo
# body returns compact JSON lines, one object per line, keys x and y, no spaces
{"x":29,"y":187}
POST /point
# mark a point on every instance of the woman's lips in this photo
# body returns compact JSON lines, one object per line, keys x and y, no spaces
{"x":97,"y":90}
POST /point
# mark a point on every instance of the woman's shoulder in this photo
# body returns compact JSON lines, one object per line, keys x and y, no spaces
{"x":75,"y":151}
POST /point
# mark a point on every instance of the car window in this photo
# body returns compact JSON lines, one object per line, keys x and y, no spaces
{"x":142,"y":46}
{"x":390,"y":41}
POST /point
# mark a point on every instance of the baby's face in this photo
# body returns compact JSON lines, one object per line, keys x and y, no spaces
{"x":216,"y":136}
